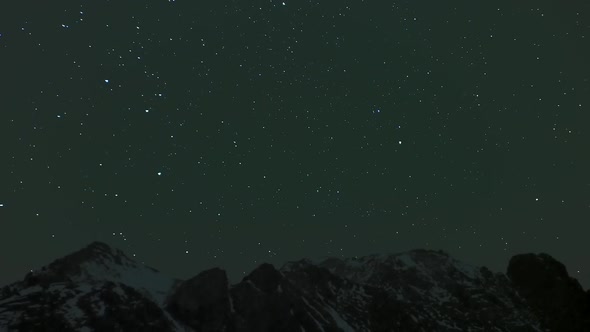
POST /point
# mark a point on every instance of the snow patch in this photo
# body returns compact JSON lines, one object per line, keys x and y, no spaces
{"x":30,"y":290}
{"x":150,"y":283}
{"x":340,"y":322}
{"x":469,"y":270}
{"x":407,"y":260}
{"x":73,"y":314}
{"x":441,"y":294}
{"x":314,"y":309}
{"x":231,"y":303}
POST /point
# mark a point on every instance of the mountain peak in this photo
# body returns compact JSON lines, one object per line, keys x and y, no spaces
{"x":82,"y":264}
{"x":98,"y":247}
{"x":98,"y":252}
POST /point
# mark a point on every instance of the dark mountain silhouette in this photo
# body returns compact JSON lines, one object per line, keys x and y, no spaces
{"x":101,"y":289}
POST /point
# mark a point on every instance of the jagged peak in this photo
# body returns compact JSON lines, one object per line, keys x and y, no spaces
{"x":265,"y":277}
{"x":98,"y":263}
{"x":97,"y":252}
{"x":408,"y":259}
{"x":296,"y":265}
{"x":94,"y":261}
{"x":376,"y":267}
{"x":99,"y":247}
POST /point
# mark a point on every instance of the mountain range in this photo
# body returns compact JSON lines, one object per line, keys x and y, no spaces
{"x":99,"y":288}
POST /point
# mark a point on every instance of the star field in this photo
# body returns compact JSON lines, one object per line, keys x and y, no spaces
{"x":231,"y":134}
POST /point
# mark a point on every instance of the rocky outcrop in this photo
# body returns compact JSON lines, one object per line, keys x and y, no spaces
{"x":261,"y":303}
{"x":557,"y":298}
{"x":203,"y":302}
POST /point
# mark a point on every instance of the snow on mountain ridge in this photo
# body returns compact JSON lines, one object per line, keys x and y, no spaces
{"x":81,"y":287}
{"x":434,"y":279}
{"x":426,"y":263}
{"x":98,"y":263}
{"x":99,"y":288}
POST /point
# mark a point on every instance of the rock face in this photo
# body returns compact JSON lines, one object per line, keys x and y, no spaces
{"x":556,"y":297}
{"x":203,"y":302}
{"x":100,"y":289}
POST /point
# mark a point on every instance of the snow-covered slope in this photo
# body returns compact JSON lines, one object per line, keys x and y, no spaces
{"x":433,"y":287}
{"x":95,"y":284}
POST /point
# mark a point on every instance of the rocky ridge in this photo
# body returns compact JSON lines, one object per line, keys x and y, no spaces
{"x":99,"y":288}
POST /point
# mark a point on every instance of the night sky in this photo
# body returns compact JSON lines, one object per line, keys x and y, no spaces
{"x":194,"y":134}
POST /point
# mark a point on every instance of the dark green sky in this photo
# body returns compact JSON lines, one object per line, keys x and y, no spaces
{"x":229,"y":134}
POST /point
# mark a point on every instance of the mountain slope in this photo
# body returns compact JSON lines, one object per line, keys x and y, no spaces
{"x":97,"y":287}
{"x":101,"y":289}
